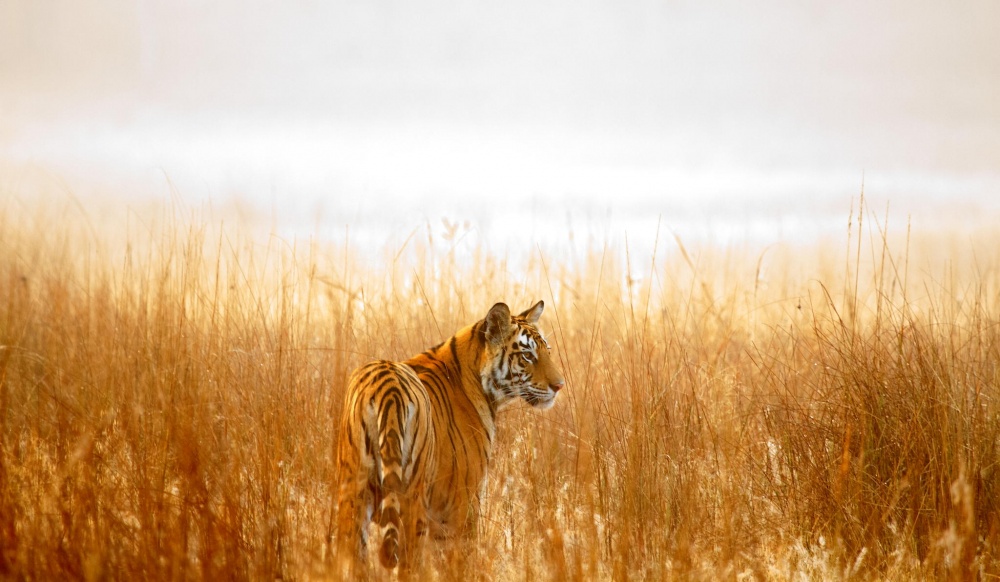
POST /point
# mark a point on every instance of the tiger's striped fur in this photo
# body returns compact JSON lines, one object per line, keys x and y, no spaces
{"x":416,"y":436}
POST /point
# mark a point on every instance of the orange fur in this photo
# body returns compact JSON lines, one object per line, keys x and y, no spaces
{"x":416,"y":436}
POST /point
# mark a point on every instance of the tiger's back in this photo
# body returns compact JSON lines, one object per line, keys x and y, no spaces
{"x":416,"y":436}
{"x":386,"y":448}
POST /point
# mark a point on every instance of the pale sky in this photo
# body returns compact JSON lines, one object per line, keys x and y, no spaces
{"x":620,"y":102}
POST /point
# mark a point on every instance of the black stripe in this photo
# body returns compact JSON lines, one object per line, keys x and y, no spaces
{"x":444,"y":403}
{"x":478,"y":333}
{"x":408,"y":390}
{"x":454,"y":355}
{"x":392,"y":401}
{"x":492,"y":403}
{"x":421,"y":370}
{"x":392,"y":451}
{"x":417,"y":454}
{"x":390,"y":516}
{"x":374,"y":374}
{"x":350,"y":437}
{"x":441,"y":369}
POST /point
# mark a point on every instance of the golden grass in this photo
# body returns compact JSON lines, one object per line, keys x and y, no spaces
{"x":169,"y":391}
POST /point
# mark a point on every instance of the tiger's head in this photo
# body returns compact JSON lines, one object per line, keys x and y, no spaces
{"x":518,"y":360}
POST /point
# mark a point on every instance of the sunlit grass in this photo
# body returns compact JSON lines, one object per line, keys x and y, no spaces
{"x":169,"y":389}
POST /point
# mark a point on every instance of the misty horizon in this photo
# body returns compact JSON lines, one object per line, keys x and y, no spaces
{"x":672,"y":106}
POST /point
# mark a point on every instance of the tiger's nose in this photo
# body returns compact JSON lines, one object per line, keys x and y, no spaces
{"x":557,"y":386}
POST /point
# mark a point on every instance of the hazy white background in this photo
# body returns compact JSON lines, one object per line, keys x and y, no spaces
{"x":725,"y":120}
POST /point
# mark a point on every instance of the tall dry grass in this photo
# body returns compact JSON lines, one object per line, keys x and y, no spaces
{"x":169,"y":388}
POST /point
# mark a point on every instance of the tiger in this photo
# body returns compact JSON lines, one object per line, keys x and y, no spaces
{"x":416,"y":436}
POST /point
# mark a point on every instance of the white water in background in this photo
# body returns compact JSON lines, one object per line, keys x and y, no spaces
{"x":518,"y":192}
{"x":530,"y":122}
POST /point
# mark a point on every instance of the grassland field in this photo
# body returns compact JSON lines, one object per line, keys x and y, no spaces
{"x":170,"y":385}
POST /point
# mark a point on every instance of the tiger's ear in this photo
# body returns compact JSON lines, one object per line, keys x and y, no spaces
{"x":497,"y":324}
{"x":534,"y":312}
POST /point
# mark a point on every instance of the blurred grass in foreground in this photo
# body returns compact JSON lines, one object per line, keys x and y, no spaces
{"x":169,"y":388}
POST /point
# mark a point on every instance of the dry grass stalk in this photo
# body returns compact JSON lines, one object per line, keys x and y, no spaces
{"x":167,"y":408}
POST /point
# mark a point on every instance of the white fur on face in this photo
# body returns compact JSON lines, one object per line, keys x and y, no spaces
{"x":512,"y":375}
